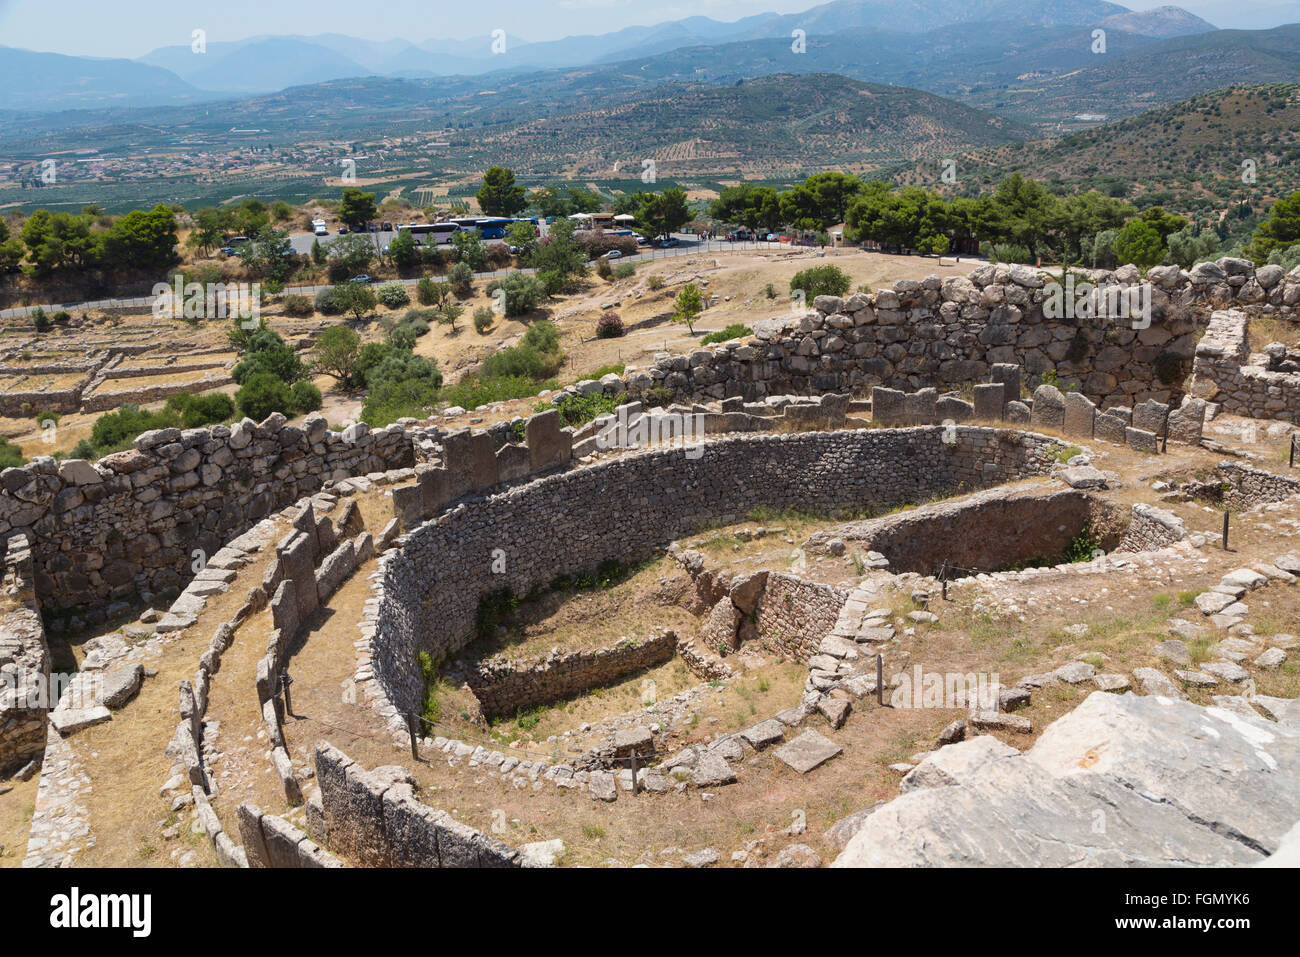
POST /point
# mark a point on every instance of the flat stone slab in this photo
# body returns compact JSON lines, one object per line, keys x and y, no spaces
{"x":1156,"y":683}
{"x":1111,"y":682}
{"x":1173,"y":651}
{"x":1076,"y":672}
{"x":1083,"y":476}
{"x":1237,"y":704}
{"x":1198,"y":678}
{"x":834,"y":710}
{"x":764,"y":734}
{"x":1247,"y":577}
{"x":120,"y":685}
{"x":807,"y":751}
{"x":1281,"y":710}
{"x":1213,"y":602}
{"x":71,"y":720}
{"x":711,"y":770}
{"x":998,"y":721}
{"x":602,"y":786}
{"x":1273,"y":658}
{"x":1226,"y":670}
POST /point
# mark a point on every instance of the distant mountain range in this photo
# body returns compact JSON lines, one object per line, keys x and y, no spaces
{"x":889,"y":30}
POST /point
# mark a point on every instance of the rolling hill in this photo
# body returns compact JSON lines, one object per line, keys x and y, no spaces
{"x":1188,"y":156}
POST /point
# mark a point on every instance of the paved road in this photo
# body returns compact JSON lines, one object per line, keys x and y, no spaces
{"x":688,"y":244}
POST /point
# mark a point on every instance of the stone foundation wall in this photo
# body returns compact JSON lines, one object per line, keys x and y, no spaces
{"x":373,"y":819}
{"x":630,"y":507}
{"x":983,"y":532}
{"x":793,"y":615}
{"x":24,"y":660}
{"x":1151,"y":528}
{"x":1249,"y":486}
{"x":1225,"y":372}
{"x":132,"y":523}
{"x":951,"y":331}
{"x":504,"y":685}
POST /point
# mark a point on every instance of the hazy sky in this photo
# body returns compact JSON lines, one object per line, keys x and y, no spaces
{"x":130,"y":28}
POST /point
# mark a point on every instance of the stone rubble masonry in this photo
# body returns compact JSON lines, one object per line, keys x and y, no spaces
{"x":128,"y":524}
{"x":427,"y":591}
{"x":946,"y":332}
{"x":1151,"y":528}
{"x":24,"y":660}
{"x":984,"y":531}
{"x":1225,"y":372}
{"x":502,"y":685}
{"x":373,"y":819}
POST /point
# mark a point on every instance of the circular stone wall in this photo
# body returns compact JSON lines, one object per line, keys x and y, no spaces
{"x":626,"y":509}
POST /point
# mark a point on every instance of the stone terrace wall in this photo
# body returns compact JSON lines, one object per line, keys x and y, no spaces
{"x":1224,"y":372}
{"x":129,"y":524}
{"x":948,"y":332}
{"x":1249,"y":486}
{"x":630,"y":507}
{"x":24,"y":660}
{"x":502,"y":685}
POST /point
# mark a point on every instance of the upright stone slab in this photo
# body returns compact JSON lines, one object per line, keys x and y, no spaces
{"x":950,"y":408}
{"x":435,"y":490}
{"x":1007,"y":373}
{"x":513,"y":462}
{"x":1187,"y":422}
{"x":458,"y":449}
{"x":1150,"y":416}
{"x":549,"y":446}
{"x":922,"y":407}
{"x":1049,"y":408}
{"x":1079,"y":414}
{"x":408,"y":505}
{"x":1142,"y":441}
{"x":284,"y":607}
{"x":1111,"y":425}
{"x":484,"y":460}
{"x":297,"y":560}
{"x":306,"y":523}
{"x":887,"y":405}
{"x":989,"y":401}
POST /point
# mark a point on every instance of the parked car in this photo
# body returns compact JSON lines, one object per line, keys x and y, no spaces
{"x":642,"y":241}
{"x":373,"y":227}
{"x":343,"y":230}
{"x":362,"y":278}
{"x":614,"y":254}
{"x":387,"y":226}
{"x":228,"y":250}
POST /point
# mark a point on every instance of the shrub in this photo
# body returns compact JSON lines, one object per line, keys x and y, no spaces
{"x":473,"y":391}
{"x":390,"y":401}
{"x":325,"y":303}
{"x":609,"y":326}
{"x":305,"y":396}
{"x":116,"y":430}
{"x":196,"y":411}
{"x":655,"y":282}
{"x":770,"y":290}
{"x":417,"y":320}
{"x":297,"y":306}
{"x":820,"y":281}
{"x":336,"y":353}
{"x":11,"y":456}
{"x":262,"y":395}
{"x":625,"y":270}
{"x":604,"y":270}
{"x":62,"y":317}
{"x":580,"y":409}
{"x":483,"y":319}
{"x":521,"y":293}
{"x":393,"y":295}
{"x":737,"y":330}
{"x":41,"y":320}
{"x":267,"y":352}
{"x":426,"y":291}
{"x":461,"y":277}
{"x":401,"y":337}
